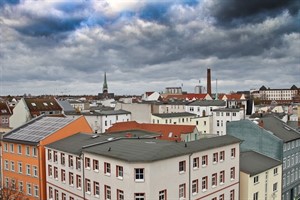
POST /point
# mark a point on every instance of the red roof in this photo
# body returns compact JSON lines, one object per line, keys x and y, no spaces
{"x":168,"y":131}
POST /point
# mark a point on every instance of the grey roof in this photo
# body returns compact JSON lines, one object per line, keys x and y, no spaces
{"x":66,"y":106}
{"x":228,"y":109}
{"x":106,"y":112}
{"x":37,"y":129}
{"x":280,"y":128}
{"x":208,"y":103}
{"x":142,"y":149}
{"x":254,"y":163}
{"x":170,"y":115}
{"x":73,"y":144}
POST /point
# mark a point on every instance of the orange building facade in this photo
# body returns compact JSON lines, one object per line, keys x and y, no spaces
{"x":23,"y":157}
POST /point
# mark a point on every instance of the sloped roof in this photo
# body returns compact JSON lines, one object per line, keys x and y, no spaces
{"x":234,"y":96}
{"x":37,"y":129}
{"x":254,"y":163}
{"x":208,"y":103}
{"x":190,"y":96}
{"x":168,"y":131}
{"x":42,"y":104}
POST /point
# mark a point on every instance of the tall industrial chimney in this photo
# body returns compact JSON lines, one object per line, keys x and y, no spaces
{"x":208,"y":82}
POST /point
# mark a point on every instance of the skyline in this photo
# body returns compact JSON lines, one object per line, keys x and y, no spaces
{"x":63,"y":46}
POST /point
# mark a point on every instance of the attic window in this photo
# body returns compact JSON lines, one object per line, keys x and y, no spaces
{"x":45,"y":104}
{"x":33,"y":104}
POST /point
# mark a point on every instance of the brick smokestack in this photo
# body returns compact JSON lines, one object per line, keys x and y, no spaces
{"x":208,"y":82}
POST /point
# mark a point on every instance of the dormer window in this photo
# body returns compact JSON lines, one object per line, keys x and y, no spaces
{"x":3,"y":111}
{"x":45,"y":104}
{"x":33,"y":104}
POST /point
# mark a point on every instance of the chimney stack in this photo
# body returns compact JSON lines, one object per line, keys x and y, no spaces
{"x":208,"y":82}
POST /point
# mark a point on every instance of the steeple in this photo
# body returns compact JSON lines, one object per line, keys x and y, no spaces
{"x":105,"y":88}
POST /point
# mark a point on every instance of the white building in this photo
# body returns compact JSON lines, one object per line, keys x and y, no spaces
{"x":278,"y":94}
{"x":224,"y":115}
{"x":204,"y":108}
{"x":140,"y":168}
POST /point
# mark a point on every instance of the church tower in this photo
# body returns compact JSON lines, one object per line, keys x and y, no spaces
{"x":105,"y":88}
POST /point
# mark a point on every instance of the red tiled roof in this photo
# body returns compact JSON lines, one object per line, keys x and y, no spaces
{"x":168,"y":131}
{"x":234,"y":96}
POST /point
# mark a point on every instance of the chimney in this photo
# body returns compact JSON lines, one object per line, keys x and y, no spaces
{"x":208,"y":82}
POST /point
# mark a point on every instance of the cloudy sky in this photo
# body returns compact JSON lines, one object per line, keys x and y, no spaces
{"x":65,"y":46}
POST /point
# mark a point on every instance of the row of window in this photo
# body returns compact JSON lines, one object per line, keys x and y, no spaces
{"x":31,"y":189}
{"x":291,"y":177}
{"x":291,"y":160}
{"x":53,"y":194}
{"x":256,"y":194}
{"x":11,"y":166}
{"x":227,"y":114}
{"x":256,"y":178}
{"x":52,"y":156}
{"x":291,"y":145}
{"x":29,"y":151}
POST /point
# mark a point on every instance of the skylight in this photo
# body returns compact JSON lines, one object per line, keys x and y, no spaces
{"x":45,"y":104}
{"x":33,"y":104}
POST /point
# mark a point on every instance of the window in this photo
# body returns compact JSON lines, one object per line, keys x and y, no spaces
{"x":182,"y":166}
{"x":233,"y":153}
{"x":55,"y":156}
{"x":49,"y":170}
{"x":107,"y":168}
{"x":255,"y":179}
{"x":204,"y":160}
{"x":222,"y":156}
{"x":227,"y":114}
{"x":12,"y":166}
{"x":120,"y":195}
{"x":20,"y":167}
{"x":162,"y":195}
{"x":12,"y":148}
{"x":71,"y":161}
{"x":87,"y":163}
{"x":50,"y":193}
{"x":19,"y":149}
{"x":78,"y":181}
{"x":28,"y":169}
{"x":195,"y":186}
{"x":119,"y":171}
{"x":49,"y":153}
{"x":107,"y":192}
{"x":196,"y":163}
{"x":56,"y":173}
{"x":222,"y":177}
{"x":232,"y":173}
{"x":204,"y":183}
{"x":6,"y":164}
{"x":78,"y":163}
{"x":21,"y":186}
{"x":182,"y":191}
{"x":255,"y":196}
{"x":218,"y":122}
{"x":34,"y":151}
{"x":139,"y":174}
{"x":36,"y":191}
{"x":62,"y":159}
{"x":6,"y":182}
{"x":215,"y":157}
{"x":221,"y":197}
{"x":274,"y":187}
{"x":29,"y":192}
{"x":139,"y":196}
{"x":63,"y":176}
{"x":214,"y":180}
{"x":35,"y":171}
{"x":96,"y":165}
{"x":71,"y":179}
{"x":275,"y":171}
{"x":56,"y":194}
{"x":63,"y":196}
{"x":6,"y":147}
{"x":231,"y":194}
{"x":96,"y":189}
{"x":88,"y":186}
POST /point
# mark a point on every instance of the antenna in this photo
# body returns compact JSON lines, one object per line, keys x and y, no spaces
{"x":216,"y":89}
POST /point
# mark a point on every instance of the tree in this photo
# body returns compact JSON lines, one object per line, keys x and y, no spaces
{"x":10,"y":192}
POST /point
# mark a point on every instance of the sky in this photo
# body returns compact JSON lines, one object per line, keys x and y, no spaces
{"x":65,"y":46}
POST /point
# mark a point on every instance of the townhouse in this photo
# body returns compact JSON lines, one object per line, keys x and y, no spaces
{"x":142,"y":168}
{"x":23,"y":152}
{"x":260,"y":177}
{"x":274,"y":138}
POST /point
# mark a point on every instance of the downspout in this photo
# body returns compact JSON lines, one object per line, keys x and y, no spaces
{"x":190,"y":191}
{"x":83,"y":177}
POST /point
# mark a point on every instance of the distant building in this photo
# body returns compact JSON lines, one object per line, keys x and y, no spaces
{"x":105,"y":94}
{"x":173,"y":90}
{"x":139,"y":168}
{"x":29,"y":108}
{"x":23,"y":152}
{"x":260,"y":177}
{"x":279,"y":95}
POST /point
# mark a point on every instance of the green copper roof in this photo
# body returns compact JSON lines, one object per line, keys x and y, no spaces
{"x":105,"y":88}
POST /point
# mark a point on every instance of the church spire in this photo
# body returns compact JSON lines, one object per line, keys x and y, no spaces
{"x":105,"y":88}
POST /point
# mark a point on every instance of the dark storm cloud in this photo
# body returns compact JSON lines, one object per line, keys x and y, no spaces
{"x":236,"y":11}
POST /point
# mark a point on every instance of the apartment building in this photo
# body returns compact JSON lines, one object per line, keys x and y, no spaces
{"x":172,"y":118}
{"x":143,"y":168}
{"x":23,"y":152}
{"x":260,"y":177}
{"x":222,"y":116}
{"x":274,"y":138}
{"x":279,"y":95}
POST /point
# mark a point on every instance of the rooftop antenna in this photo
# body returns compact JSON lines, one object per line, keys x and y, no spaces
{"x":216,"y":89}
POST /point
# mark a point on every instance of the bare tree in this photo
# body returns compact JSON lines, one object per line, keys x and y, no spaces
{"x":10,"y":192}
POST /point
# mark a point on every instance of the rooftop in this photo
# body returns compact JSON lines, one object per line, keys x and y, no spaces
{"x":42,"y":104}
{"x":170,"y":115}
{"x":208,"y":103}
{"x":254,"y":163}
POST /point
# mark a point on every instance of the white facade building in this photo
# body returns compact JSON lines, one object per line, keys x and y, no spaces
{"x":139,"y":169}
{"x":222,"y":116}
{"x":204,"y":108}
{"x":278,"y":94}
